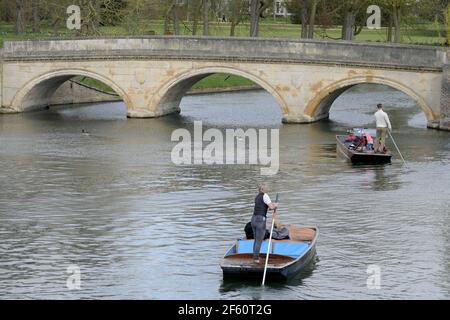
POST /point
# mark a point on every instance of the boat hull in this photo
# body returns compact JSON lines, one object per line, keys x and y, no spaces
{"x":360,"y":157}
{"x":285,"y":270}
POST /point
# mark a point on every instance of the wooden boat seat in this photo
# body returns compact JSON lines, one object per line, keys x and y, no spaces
{"x":301,"y":234}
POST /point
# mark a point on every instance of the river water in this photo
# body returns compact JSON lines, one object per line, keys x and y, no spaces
{"x":113,"y":204}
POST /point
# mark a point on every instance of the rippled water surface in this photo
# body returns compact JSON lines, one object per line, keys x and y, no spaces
{"x":138,"y":226}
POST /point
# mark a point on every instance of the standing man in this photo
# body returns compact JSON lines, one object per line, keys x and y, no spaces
{"x":383,"y":125}
{"x":262,"y":204}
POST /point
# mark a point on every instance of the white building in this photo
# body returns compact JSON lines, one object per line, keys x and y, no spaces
{"x":221,"y":8}
{"x":279,"y":9}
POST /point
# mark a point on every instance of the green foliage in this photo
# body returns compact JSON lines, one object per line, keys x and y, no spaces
{"x":112,"y":12}
{"x":295,"y":7}
{"x":222,"y":80}
{"x":93,"y":83}
{"x":423,"y":21}
{"x":447,"y":19}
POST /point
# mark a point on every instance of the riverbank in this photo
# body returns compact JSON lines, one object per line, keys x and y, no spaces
{"x":87,"y":90}
{"x":216,"y":83}
{"x":193,"y":92}
{"x":213,"y":83}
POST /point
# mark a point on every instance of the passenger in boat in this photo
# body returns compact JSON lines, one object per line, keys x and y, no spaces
{"x":369,"y":141}
{"x":280,"y":232}
{"x":357,"y":142}
{"x":350,"y":137}
{"x":383,"y":125}
{"x":248,"y":229}
{"x":262,"y":205}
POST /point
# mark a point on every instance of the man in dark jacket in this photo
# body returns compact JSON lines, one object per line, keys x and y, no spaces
{"x":262,"y":205}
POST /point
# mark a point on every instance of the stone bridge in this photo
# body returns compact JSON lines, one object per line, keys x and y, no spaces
{"x":152,"y":74}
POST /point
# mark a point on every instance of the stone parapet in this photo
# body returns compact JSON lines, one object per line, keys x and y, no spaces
{"x":370,"y":55}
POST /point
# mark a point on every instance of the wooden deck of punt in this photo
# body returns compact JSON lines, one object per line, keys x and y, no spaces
{"x":300,"y":234}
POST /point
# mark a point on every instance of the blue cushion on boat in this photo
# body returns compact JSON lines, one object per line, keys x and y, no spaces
{"x":291,"y":249}
{"x":246,"y":246}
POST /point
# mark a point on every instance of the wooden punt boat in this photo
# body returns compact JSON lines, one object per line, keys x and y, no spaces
{"x":367,"y":157}
{"x":286,"y":259}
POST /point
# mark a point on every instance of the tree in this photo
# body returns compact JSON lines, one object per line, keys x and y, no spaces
{"x":351,"y":9}
{"x":396,"y":18}
{"x":20,"y":16}
{"x":395,"y":9}
{"x":312,"y":18}
{"x":205,"y":4}
{"x":7,"y":11}
{"x":236,"y":10}
{"x":196,"y":6}
{"x":133,"y":14}
{"x":91,"y":19}
{"x":36,"y":16}
{"x":304,"y":16}
{"x":257,"y":8}
{"x":447,"y":20}
{"x":304,"y":11}
{"x":175,"y":18}
{"x":112,"y":11}
{"x":167,"y":9}
{"x":434,"y":11}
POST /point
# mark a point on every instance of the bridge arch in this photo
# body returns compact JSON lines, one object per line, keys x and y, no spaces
{"x":168,"y":97}
{"x":37,"y":92}
{"x":319,"y":107}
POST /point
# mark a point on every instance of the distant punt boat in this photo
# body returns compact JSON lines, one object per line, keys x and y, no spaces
{"x":287,"y":257}
{"x":368,"y":157}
